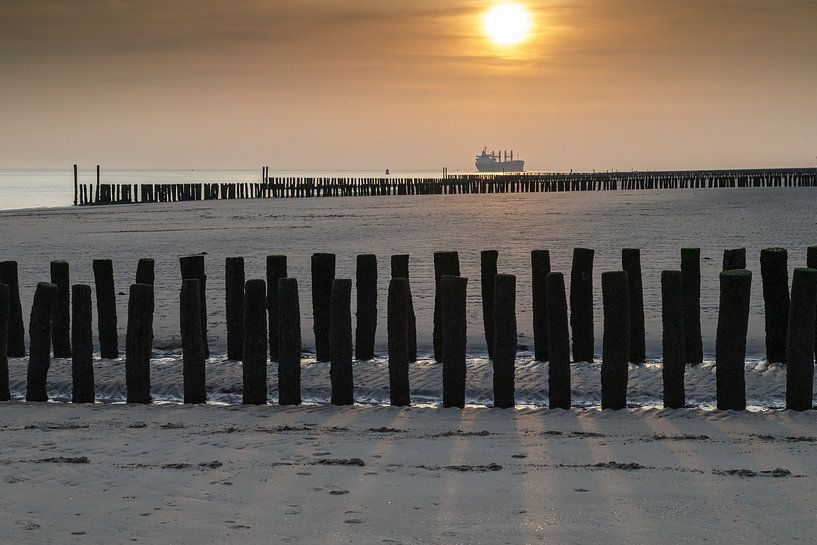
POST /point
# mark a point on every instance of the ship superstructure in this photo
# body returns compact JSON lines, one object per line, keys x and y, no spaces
{"x":493,"y":162}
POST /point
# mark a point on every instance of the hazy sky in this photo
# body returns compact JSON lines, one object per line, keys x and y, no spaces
{"x":308,"y":84}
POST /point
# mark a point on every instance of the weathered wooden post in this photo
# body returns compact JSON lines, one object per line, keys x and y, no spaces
{"x":504,"y":341}
{"x":400,"y":269}
{"x":811,"y":263}
{"x":775,"y":275}
{"x":631,"y":264}
{"x":5,"y":394}
{"x":276,"y":269}
{"x":540,"y":266}
{"x":39,"y":334}
{"x":61,"y":317}
{"x":397,"y":312}
{"x":16,"y":329}
{"x":488,"y":259}
{"x":730,"y":344}
{"x":82,"y":345}
{"x":340,"y":343}
{"x":691,"y":277}
{"x":616,"y":343}
{"x":323,"y":273}
{"x":289,"y":342}
{"x":366,"y":283}
{"x":558,"y":338}
{"x":454,"y":325}
{"x":672,"y":320}
{"x":139,"y":343}
{"x":106,"y":308}
{"x":800,"y":340}
{"x":234,"y":299}
{"x":734,"y":259}
{"x":195,"y":389}
{"x":581,"y":304}
{"x":254,"y":352}
{"x":192,"y":268}
{"x":445,"y":264}
{"x":145,"y":271}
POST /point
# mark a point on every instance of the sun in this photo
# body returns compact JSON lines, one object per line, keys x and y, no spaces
{"x":507,"y":24}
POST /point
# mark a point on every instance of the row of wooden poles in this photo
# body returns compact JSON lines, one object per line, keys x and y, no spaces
{"x":263,"y":321}
{"x":294,"y":187}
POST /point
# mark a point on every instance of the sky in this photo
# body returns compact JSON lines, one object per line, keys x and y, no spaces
{"x":374,"y":84}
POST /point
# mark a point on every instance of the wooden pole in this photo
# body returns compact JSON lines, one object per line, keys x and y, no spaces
{"x":400,"y":269}
{"x":75,"y":185}
{"x":616,"y":343}
{"x":106,"y":308}
{"x":366,"y":329}
{"x":16,"y":329}
{"x":691,"y":277}
{"x":811,"y":263}
{"x":674,"y":360}
{"x":82,"y":345}
{"x":734,"y":259}
{"x":399,"y":390}
{"x":195,"y":389}
{"x":97,"y":183}
{"x":730,"y":345}
{"x":504,"y":341}
{"x":39,"y":334}
{"x":145,"y":271}
{"x":775,"y":275}
{"x":454,"y":339}
{"x":631,"y":264}
{"x":445,"y":264}
{"x":581,"y":304}
{"x":559,"y":396}
{"x":289,"y":342}
{"x":234,"y":300}
{"x":800,"y":340}
{"x":254,"y":352}
{"x":61,"y":318}
{"x":488,"y":272}
{"x":192,"y":268}
{"x":276,"y":269}
{"x":340,"y":343}
{"x":540,"y":266}
{"x":5,"y":394}
{"x":139,"y":343}
{"x":323,"y":273}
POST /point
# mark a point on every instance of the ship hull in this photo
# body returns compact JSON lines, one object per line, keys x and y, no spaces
{"x":503,"y":166}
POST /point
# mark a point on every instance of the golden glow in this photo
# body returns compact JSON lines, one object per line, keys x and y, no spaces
{"x":507,"y":24}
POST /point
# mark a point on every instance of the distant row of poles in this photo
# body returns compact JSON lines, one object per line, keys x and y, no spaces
{"x":303,"y":187}
{"x":263,"y":324}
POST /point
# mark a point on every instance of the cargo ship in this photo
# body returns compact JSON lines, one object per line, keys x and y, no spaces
{"x":494,"y":162}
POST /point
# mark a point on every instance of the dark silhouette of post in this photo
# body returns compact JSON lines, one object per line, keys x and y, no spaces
{"x":730,"y":345}
{"x":254,"y":355}
{"x":323,"y":273}
{"x":811,"y":263}
{"x":145,"y":271}
{"x":340,"y":343}
{"x":289,"y":342}
{"x":5,"y":393}
{"x":82,"y":345}
{"x":631,"y":264}
{"x":76,"y":185}
{"x":672,"y":321}
{"x":234,"y":299}
{"x":16,"y":334}
{"x":559,"y":395}
{"x":397,"y":318}
{"x":445,"y":264}
{"x":581,"y":304}
{"x":276,"y":269}
{"x":734,"y":259}
{"x":39,"y":334}
{"x":195,"y":389}
{"x":616,"y":343}
{"x":800,"y":340}
{"x":61,"y":317}
{"x":454,"y":325}
{"x":400,"y":269}
{"x":366,"y":284}
{"x":488,"y":259}
{"x":504,"y":341}
{"x":540,"y":266}
{"x":775,"y":275}
{"x":691,"y":277}
{"x":192,"y":268}
{"x":139,"y":343}
{"x":106,"y":308}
